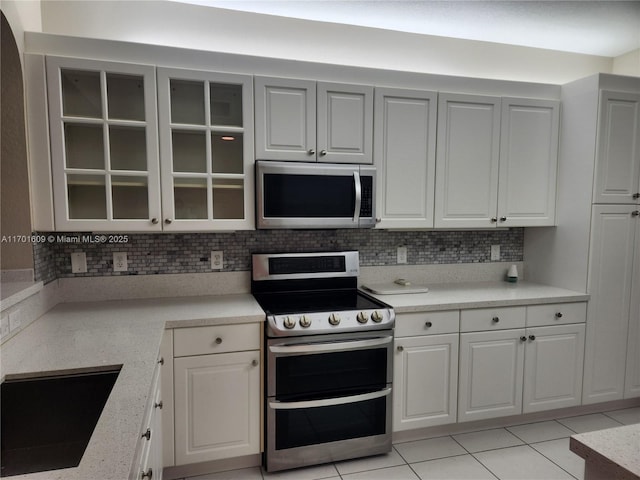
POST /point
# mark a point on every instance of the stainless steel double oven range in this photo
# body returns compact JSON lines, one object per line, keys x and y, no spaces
{"x":328,"y":365}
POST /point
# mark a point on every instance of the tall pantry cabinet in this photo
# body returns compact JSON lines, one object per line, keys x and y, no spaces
{"x":596,"y":246}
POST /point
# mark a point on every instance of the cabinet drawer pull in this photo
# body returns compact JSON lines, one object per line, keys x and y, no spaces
{"x":428,"y":324}
{"x":218,"y":341}
{"x":161,"y":361}
{"x":158,"y":405}
{"x":559,"y":315}
{"x":147,"y":434}
{"x":254,"y":363}
{"x":532,"y":337}
{"x":523,"y":338}
{"x":400,"y":348}
{"x":495,"y":319}
{"x":148,"y":474}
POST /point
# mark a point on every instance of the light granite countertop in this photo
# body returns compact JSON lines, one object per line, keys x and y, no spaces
{"x":610,"y":453}
{"x":452,"y":296}
{"x":79,"y":336}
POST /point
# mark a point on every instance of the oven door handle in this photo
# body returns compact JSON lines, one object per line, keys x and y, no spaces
{"x":284,"y":350}
{"x":330,"y":401}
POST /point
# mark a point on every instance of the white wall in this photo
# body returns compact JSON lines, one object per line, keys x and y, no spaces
{"x":627,"y":64}
{"x":197,"y":27}
{"x":23,"y":16}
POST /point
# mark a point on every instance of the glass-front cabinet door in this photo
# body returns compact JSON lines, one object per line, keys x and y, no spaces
{"x":104,"y":142}
{"x":206,"y":142}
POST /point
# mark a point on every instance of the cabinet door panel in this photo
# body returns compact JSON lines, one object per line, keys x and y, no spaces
{"x":425,"y":381}
{"x":553,"y":367}
{"x":404,"y":153}
{"x":618,"y":150}
{"x":467,"y":161}
{"x":217,"y":406}
{"x":610,"y":269}
{"x":345,"y":123}
{"x":528,"y":162}
{"x":285,"y":119}
{"x":491,"y":369}
{"x":632,"y":381}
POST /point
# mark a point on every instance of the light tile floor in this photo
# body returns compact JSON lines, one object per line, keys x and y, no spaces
{"x":530,"y":451}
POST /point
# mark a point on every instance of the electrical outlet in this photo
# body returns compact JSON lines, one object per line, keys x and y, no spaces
{"x":79,"y":262}
{"x":402,"y":255}
{"x":216,"y":260}
{"x":15,"y":320}
{"x":495,"y":253}
{"x":120,"y":263}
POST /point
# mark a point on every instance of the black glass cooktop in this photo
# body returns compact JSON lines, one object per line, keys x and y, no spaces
{"x":283,"y":303}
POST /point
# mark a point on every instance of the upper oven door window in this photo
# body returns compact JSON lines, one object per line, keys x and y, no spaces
{"x":330,"y":369}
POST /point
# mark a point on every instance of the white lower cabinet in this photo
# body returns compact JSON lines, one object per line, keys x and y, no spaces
{"x":425,"y":381}
{"x":491,"y":374}
{"x":150,"y":462}
{"x":217,"y":406}
{"x":553,"y":367}
{"x":521,"y":370}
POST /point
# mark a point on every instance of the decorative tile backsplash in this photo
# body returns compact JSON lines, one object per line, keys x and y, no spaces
{"x":150,"y":254}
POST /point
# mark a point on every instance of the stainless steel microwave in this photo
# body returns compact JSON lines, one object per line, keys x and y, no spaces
{"x":314,"y":195}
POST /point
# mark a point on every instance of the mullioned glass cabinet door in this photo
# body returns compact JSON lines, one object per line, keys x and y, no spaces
{"x":206,"y":145}
{"x":104,"y":145}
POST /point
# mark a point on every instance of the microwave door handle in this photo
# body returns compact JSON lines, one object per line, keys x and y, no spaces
{"x":358,"y":188}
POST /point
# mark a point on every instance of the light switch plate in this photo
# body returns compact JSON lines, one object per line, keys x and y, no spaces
{"x":78,"y":262}
{"x":120,"y":263}
{"x":217,"y":260}
{"x":495,"y":253}
{"x":402,"y":255}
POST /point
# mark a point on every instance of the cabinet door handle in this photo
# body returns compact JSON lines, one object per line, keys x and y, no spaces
{"x":168,"y":221}
{"x":323,"y":153}
{"x":494,"y":219}
{"x":254,"y":363}
{"x":428,"y":324}
{"x":148,"y":474}
{"x":523,"y":338}
{"x":311,"y":151}
{"x":503,"y":219}
{"x":161,"y":360}
{"x":218,"y":341}
{"x":158,"y":405}
{"x":635,"y":213}
{"x":559,"y":315}
{"x":400,"y":348}
{"x":154,"y":221}
{"x":147,"y":434}
{"x":532,"y":337}
{"x":635,"y":196}
{"x":495,"y":319}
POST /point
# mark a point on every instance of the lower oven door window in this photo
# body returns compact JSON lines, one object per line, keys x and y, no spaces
{"x":299,"y":424}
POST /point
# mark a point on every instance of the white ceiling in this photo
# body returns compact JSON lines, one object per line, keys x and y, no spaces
{"x":607,"y":28}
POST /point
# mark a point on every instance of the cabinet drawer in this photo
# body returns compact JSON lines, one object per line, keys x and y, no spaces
{"x":556,"y":314}
{"x":216,"y":339}
{"x":497,"y":318}
{"x":427,"y":323}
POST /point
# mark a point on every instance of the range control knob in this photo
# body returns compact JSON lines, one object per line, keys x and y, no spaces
{"x":362,"y":317}
{"x":289,"y":322}
{"x":376,"y":316}
{"x":334,"y":319}
{"x":305,"y":322}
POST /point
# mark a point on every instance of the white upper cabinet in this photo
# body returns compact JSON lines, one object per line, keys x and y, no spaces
{"x":617,"y":174}
{"x":405,"y":156}
{"x":104,"y":145}
{"x":528,"y":162}
{"x":467,"y":161}
{"x":496,"y":161}
{"x":206,"y":146}
{"x":301,"y":120}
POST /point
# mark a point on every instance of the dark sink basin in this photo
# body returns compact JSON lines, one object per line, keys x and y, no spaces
{"x":47,"y":421}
